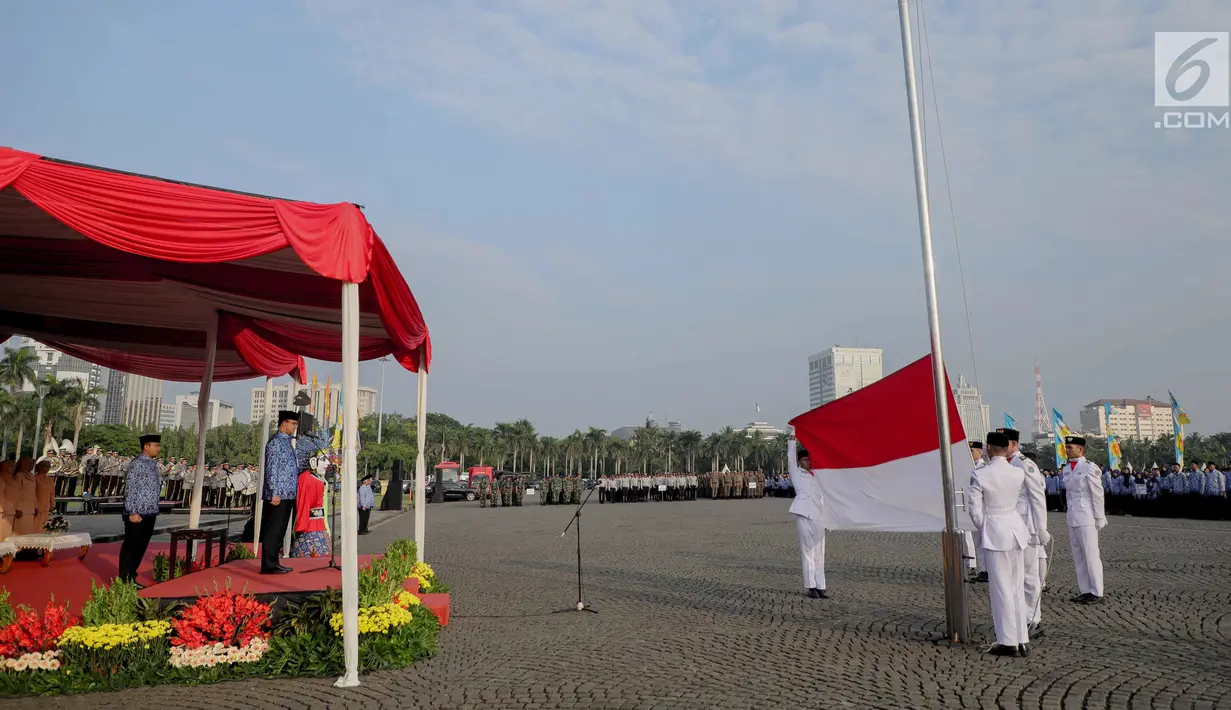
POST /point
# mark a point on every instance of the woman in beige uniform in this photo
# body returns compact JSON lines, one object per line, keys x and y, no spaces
{"x":25,"y":498}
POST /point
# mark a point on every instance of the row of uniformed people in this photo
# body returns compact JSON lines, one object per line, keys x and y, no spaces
{"x":1199,"y":493}
{"x":508,"y":491}
{"x":640,"y":488}
{"x":1006,"y":503}
{"x":560,"y":490}
{"x":738,"y":484}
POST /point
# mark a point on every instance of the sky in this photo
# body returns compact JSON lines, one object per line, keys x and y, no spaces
{"x":608,"y":208}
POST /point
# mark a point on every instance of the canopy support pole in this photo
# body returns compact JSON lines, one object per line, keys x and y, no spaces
{"x":260,"y":489}
{"x":207,"y":379}
{"x":420,"y":461}
{"x":350,"y":522}
{"x":957,"y":617}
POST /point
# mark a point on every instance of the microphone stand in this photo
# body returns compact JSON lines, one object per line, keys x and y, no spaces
{"x":581,"y":603}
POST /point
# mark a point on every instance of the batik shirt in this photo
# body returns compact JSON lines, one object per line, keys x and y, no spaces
{"x":366,"y":497}
{"x":142,"y":487}
{"x":1215,"y":484}
{"x":281,"y":468}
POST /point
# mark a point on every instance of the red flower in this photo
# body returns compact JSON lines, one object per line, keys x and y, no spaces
{"x":384,"y":575}
{"x":222,"y":617}
{"x":30,"y":633}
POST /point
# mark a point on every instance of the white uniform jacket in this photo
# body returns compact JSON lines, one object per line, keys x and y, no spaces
{"x":1083,"y":489}
{"x":1032,"y":503}
{"x":808,"y":499}
{"x":994,"y":490}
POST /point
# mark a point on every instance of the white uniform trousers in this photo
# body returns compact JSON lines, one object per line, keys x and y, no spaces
{"x":1034,"y":559}
{"x":812,"y":550}
{"x":1083,"y":540}
{"x":1005,"y":580}
{"x":969,"y":554}
{"x":980,"y":553}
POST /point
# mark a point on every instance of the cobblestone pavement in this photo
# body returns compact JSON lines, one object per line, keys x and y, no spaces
{"x":701,"y":607}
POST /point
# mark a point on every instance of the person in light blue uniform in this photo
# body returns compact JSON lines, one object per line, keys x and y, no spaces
{"x":367,"y":500}
{"x":141,"y":490}
{"x":1215,"y":492}
{"x":281,"y":486}
{"x":1196,"y":491}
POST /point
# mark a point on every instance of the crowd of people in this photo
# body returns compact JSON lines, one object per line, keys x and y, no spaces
{"x":1200,"y":492}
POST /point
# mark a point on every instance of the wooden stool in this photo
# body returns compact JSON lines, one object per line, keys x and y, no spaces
{"x":191,"y":536}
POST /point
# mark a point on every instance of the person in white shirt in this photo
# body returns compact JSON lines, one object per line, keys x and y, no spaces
{"x":971,"y":551}
{"x":1035,"y":555}
{"x":993,"y":494}
{"x":808,"y":509}
{"x":1083,"y":490}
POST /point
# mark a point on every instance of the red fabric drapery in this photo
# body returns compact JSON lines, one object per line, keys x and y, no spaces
{"x":201,"y":250}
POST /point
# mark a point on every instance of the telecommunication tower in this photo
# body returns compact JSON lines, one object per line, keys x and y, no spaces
{"x":1042,"y":422}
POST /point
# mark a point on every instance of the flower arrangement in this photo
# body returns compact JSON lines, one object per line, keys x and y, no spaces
{"x":376,"y":619}
{"x":218,"y":654}
{"x":56,"y":524}
{"x":109,"y":636}
{"x":428,"y":583}
{"x":37,"y":661}
{"x":34,"y":633}
{"x":225,"y":617}
{"x":406,"y":600}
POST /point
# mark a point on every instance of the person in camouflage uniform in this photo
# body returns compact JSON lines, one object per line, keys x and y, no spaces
{"x":557,"y":485}
{"x":543,"y":484}
{"x":519,"y":490}
{"x":485,"y":491}
{"x":505,"y":492}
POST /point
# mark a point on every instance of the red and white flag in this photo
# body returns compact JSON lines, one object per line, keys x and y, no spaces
{"x":877,"y":455}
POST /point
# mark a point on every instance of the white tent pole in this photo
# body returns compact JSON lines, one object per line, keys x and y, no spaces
{"x":350,"y":522}
{"x":260,"y":489}
{"x":420,"y":461}
{"x":207,"y":379}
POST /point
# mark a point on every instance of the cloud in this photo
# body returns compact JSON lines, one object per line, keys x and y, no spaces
{"x":1062,"y":185}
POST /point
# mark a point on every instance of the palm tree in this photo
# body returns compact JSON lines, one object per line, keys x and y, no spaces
{"x":669,"y":440}
{"x":524,"y":437}
{"x":16,"y":369}
{"x":596,"y":439}
{"x":25,"y":412}
{"x":690,"y":443}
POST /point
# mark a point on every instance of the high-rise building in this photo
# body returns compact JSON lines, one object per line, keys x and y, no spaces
{"x":217,"y":412}
{"x":283,"y":395}
{"x":166,"y":416}
{"x":1130,"y":418}
{"x":839,"y":371}
{"x":116,"y":397}
{"x":975,"y":415}
{"x":143,"y":401}
{"x":64,"y":368}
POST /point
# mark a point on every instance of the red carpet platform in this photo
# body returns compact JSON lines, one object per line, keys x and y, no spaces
{"x":69,"y":579}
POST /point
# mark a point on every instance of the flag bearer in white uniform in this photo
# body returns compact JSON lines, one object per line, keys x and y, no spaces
{"x":1035,"y":555}
{"x":1083,"y":490}
{"x":993,"y":496}
{"x":808,"y":509}
{"x":971,"y":550}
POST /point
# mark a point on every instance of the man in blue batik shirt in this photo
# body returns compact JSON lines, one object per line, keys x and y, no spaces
{"x":141,"y":492}
{"x":281,"y":485}
{"x":367,"y":500}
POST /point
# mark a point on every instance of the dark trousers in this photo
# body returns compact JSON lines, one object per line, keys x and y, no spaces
{"x":364,"y":515}
{"x":274,"y":519}
{"x":136,"y":540}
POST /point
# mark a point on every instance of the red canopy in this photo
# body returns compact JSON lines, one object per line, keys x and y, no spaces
{"x":130,"y":272}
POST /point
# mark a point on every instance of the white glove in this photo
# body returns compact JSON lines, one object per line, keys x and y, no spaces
{"x":1100,"y":523}
{"x":1044,"y":537}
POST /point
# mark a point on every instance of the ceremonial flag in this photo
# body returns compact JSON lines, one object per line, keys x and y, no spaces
{"x":315,"y":387}
{"x":328,"y":391}
{"x":1113,"y":445}
{"x":1009,"y":422}
{"x":878,"y":455}
{"x":1178,"y":419}
{"x":1059,"y":431}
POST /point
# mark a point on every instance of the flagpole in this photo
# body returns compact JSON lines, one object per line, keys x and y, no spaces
{"x":957,"y":618}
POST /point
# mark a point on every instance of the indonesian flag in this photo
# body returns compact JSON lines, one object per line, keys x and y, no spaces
{"x":876,"y":454}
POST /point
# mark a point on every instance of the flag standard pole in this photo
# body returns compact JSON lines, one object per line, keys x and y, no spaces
{"x":957,"y":618}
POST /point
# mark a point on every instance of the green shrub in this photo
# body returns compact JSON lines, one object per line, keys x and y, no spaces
{"x":117,"y":604}
{"x":240,"y":552}
{"x":378,"y":583}
{"x":312,"y":613}
{"x":7,"y":615}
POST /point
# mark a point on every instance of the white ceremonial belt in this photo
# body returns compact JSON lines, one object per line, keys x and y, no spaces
{"x":1002,"y":511}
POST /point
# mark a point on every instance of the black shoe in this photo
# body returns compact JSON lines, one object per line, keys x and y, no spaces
{"x":822,"y":594}
{"x":1036,"y":631}
{"x":1023,"y":650}
{"x":982,"y":577}
{"x":999,"y":650}
{"x":276,"y":570}
{"x":814,"y":594}
{"x":1091,"y":599}
{"x":1081,"y":598}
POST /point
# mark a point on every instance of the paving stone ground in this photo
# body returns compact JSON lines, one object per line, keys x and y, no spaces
{"x":700,"y":606}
